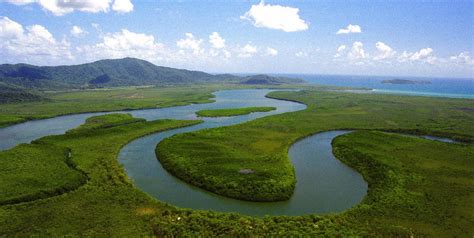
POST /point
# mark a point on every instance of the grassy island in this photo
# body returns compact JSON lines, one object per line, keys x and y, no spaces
{"x":233,"y":111}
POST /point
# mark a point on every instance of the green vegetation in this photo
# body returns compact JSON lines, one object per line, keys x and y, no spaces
{"x":54,"y":103}
{"x":110,"y":120}
{"x":423,"y":190}
{"x":262,"y":79}
{"x":10,"y":94}
{"x":60,"y":103}
{"x":107,"y":204}
{"x":108,"y":73}
{"x":233,"y":111}
{"x":417,"y":187}
{"x":212,"y":158}
{"x":33,"y":171}
{"x":217,"y":166}
{"x":415,"y":184}
{"x":118,"y":72}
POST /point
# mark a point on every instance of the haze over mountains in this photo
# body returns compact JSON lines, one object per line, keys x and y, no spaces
{"x":117,"y":72}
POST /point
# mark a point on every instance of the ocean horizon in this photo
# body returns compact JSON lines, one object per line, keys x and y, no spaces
{"x":438,"y":87}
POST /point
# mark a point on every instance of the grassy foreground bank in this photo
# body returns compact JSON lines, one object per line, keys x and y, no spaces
{"x":56,"y":197}
{"x":217,"y":155}
{"x":412,"y":193}
{"x":34,"y":171}
{"x":232,"y":111}
{"x":427,"y":186}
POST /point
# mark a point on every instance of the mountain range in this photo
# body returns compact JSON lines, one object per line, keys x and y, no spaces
{"x":117,"y":72}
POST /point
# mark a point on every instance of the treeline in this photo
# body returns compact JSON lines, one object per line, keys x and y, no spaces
{"x":11,"y":94}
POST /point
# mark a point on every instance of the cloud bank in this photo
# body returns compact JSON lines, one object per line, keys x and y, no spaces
{"x":30,"y":44}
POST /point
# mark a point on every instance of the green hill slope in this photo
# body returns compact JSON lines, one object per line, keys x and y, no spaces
{"x":10,"y":94}
{"x":112,"y":72}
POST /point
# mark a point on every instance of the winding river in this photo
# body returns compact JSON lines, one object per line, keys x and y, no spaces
{"x":324,"y":184}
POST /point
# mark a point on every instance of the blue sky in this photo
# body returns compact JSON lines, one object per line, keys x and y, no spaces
{"x":406,"y":38}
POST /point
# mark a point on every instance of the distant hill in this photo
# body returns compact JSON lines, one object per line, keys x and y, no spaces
{"x":405,"y":81}
{"x":115,"y":72}
{"x":269,"y":80}
{"x":9,"y":94}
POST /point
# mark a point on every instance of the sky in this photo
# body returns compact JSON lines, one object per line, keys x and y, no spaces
{"x":387,"y":38}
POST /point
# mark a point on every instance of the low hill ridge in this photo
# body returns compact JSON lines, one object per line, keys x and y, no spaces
{"x":117,"y":72}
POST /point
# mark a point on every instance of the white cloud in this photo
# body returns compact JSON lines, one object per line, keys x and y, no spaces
{"x":40,"y":33}
{"x":189,"y":51}
{"x":386,"y":58}
{"x":126,"y":44}
{"x":350,"y":29}
{"x":95,"y":26}
{"x":33,"y":44}
{"x":190,"y":43}
{"x":227,"y":54}
{"x":405,"y":56}
{"x":340,"y":51}
{"x":301,"y":54}
{"x":355,"y":55}
{"x":62,"y":7}
{"x":271,"y":52}
{"x":78,"y":31}
{"x":462,"y":58}
{"x":218,"y":46}
{"x":383,"y":51}
{"x":357,"y":52}
{"x":122,"y":6}
{"x":424,"y":55}
{"x":216,"y":40}
{"x":275,"y":17}
{"x":216,"y":52}
{"x":10,"y":29}
{"x":431,"y":60}
{"x":247,"y":51}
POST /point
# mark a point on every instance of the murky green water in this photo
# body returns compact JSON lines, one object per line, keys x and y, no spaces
{"x":323,"y":183}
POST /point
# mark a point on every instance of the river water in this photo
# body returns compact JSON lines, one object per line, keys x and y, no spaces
{"x":324,"y":184}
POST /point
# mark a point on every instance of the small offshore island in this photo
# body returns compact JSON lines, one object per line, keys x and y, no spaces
{"x":233,"y":111}
{"x":405,"y":81}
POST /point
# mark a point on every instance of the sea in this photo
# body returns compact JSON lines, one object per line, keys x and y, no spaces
{"x":438,"y":87}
